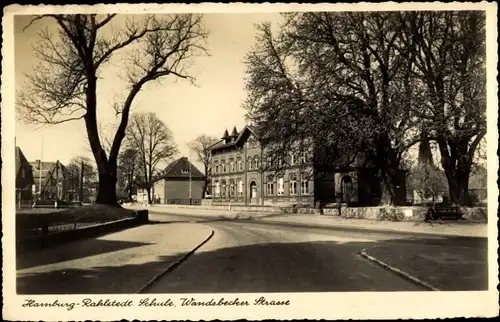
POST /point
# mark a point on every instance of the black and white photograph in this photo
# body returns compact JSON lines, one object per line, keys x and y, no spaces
{"x":226,"y":161}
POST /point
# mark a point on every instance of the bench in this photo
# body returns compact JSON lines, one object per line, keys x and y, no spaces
{"x":443,"y":212}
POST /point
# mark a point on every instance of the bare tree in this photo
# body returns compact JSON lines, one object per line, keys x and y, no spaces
{"x":201,"y":146}
{"x":128,"y":168}
{"x":154,"y":143}
{"x":62,"y":86}
{"x":449,"y":54}
{"x":82,"y":171}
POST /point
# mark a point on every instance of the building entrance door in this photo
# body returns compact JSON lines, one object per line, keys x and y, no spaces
{"x":253,"y":192}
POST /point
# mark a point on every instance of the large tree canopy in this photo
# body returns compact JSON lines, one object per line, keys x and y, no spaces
{"x":353,"y":82}
{"x":63,"y":84}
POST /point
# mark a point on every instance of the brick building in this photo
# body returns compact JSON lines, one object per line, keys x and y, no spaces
{"x":244,"y":172}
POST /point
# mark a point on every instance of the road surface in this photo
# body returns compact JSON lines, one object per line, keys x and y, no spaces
{"x":253,"y":256}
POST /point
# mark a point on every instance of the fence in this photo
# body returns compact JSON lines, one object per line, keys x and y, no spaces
{"x":183,"y":201}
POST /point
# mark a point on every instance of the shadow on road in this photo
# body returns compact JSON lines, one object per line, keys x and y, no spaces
{"x":77,"y":249}
{"x":317,"y":266}
{"x":328,"y":267}
{"x":123,"y":279}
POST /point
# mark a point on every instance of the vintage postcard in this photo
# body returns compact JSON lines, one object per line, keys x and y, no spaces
{"x":249,"y":161}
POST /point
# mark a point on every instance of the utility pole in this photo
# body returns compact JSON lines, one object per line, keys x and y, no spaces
{"x":190,"y":200}
{"x":40,"y":173}
{"x":81,"y":182}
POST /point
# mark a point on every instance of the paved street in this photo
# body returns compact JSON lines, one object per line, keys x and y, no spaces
{"x":251,"y":255}
{"x":255,"y":256}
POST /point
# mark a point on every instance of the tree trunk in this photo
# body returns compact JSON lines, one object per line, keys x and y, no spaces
{"x":106,"y":192}
{"x":457,"y":165}
{"x":148,"y":189}
{"x":387,"y":164}
{"x":205,"y":183}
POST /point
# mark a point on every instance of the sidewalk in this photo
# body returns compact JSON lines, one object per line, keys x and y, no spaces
{"x":121,"y":262}
{"x":451,"y":228}
{"x":446,"y":227}
{"x":442,"y":267}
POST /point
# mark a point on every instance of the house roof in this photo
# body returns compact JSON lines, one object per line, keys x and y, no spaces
{"x":244,"y":132}
{"x":20,"y":159}
{"x":22,"y":162}
{"x":175,"y":170}
{"x":42,"y":169}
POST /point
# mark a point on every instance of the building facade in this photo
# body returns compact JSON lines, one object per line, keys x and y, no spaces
{"x":244,"y":172}
{"x":52,"y":181}
{"x":239,"y":173}
{"x":180,"y":183}
{"x":24,"y":178}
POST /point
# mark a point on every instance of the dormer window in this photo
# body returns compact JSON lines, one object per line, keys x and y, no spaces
{"x":185,"y":170}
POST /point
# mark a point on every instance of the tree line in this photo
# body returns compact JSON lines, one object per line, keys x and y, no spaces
{"x":373,"y":84}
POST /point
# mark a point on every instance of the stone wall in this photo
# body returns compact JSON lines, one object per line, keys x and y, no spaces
{"x":397,"y":213}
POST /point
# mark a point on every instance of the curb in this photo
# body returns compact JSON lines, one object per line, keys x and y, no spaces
{"x":399,"y":272}
{"x":172,"y":266}
{"x":362,"y":229}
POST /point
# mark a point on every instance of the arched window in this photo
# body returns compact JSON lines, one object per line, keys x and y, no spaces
{"x":224,"y":169}
{"x":293,"y":184}
{"x":256,"y":162}
{"x":232,"y":188}
{"x":216,"y":166}
{"x":280,"y":190}
{"x":270,"y":186}
{"x":240,"y":187}
{"x":240,"y":164}
{"x":232,"y":165}
{"x":223,"y":189}
{"x":304,"y":184}
{"x":250,"y":163}
{"x":217,"y":188}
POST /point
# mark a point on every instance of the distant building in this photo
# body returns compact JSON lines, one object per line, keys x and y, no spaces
{"x":24,"y":178}
{"x":52,"y":181}
{"x":180,"y":183}
{"x":242,"y":173}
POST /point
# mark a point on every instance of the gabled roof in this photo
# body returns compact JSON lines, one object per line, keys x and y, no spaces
{"x":243,"y":133}
{"x":22,"y":162}
{"x":175,"y":170}
{"x":247,"y":129}
{"x":44,"y":169}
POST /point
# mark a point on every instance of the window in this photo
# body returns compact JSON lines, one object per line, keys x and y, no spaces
{"x":270,"y":187}
{"x":292,"y":159}
{"x":240,"y":164}
{"x":216,"y":166}
{"x":224,"y":166}
{"x":232,"y":188}
{"x":303,"y":157}
{"x":240,"y":187}
{"x":250,"y":164}
{"x":185,"y":170}
{"x":304,"y":185}
{"x":269,"y":162}
{"x":256,"y":163}
{"x":232,"y":165}
{"x":223,"y":189}
{"x":281,"y":186}
{"x":293,"y":184}
{"x":217,"y":188}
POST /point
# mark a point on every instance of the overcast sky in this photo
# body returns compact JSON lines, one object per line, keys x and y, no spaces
{"x":187,"y":110}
